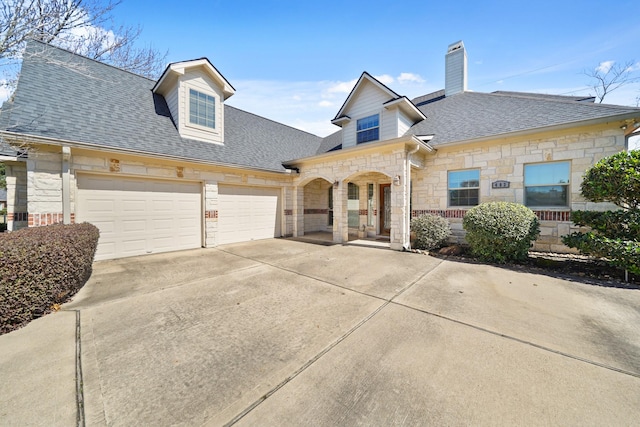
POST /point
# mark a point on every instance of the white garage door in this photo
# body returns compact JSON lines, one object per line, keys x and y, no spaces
{"x":247,"y":213}
{"x":140,"y":216}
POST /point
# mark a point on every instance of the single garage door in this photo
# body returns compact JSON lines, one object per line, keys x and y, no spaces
{"x":140,"y":216}
{"x":247,"y":213}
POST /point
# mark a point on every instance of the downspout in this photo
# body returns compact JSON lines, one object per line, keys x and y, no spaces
{"x":66,"y":185}
{"x":407,"y":222}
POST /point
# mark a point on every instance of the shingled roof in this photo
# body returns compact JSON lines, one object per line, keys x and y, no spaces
{"x":67,"y":97}
{"x":475,"y":115}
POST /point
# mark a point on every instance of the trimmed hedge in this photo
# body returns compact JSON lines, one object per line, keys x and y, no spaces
{"x":431,"y":231}
{"x":501,"y":231}
{"x":40,"y":267}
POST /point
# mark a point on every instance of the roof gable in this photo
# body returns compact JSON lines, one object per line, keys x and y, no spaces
{"x":175,"y":70}
{"x":357,"y":89}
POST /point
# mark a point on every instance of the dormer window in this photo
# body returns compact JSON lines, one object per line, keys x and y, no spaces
{"x":368,"y":129}
{"x":202,"y":109}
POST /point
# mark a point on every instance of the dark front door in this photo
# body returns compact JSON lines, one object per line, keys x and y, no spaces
{"x":385,"y":208}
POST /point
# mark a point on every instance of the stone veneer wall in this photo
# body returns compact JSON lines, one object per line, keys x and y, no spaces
{"x":499,"y":160}
{"x":17,"y":213}
{"x":43,"y":183}
{"x":316,"y":206}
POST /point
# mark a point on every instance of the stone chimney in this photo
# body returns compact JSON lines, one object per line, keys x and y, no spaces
{"x":455,"y":69}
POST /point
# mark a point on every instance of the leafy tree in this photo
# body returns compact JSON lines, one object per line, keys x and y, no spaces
{"x":3,"y":176}
{"x":81,"y":26}
{"x":614,"y":235}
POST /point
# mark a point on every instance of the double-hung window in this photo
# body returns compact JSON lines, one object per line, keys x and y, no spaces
{"x":368,"y":129}
{"x":464,"y":187}
{"x":547,"y":184}
{"x":202,"y":109}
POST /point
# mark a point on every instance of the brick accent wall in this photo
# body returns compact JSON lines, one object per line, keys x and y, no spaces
{"x":211,"y":214}
{"x":316,"y":211}
{"x":41,"y":219}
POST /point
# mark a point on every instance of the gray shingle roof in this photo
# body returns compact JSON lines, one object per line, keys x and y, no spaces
{"x":67,"y":97}
{"x":472,"y":115}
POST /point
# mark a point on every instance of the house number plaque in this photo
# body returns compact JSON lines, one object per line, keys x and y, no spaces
{"x":500,"y":184}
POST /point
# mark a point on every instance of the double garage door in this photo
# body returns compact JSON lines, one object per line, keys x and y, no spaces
{"x":142,"y":216}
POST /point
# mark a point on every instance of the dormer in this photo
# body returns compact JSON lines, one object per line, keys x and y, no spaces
{"x":373,"y":112}
{"x":195,"y":92}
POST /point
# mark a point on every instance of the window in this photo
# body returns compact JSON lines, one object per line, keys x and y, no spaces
{"x":330,"y":220}
{"x":370,"y":204}
{"x":464,"y":187}
{"x":202,"y":109}
{"x":547,"y":184}
{"x":353,"y":205}
{"x":368,"y":129}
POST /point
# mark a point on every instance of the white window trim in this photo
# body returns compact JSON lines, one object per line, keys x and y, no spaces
{"x":449,"y":205}
{"x":216,"y":103}
{"x":546,"y":207}
{"x":379,"y":127}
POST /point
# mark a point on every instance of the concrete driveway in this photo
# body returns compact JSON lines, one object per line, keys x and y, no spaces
{"x":279,"y":332}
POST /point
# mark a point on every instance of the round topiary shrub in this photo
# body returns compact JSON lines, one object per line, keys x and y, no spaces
{"x":500,"y":231}
{"x":431,"y":231}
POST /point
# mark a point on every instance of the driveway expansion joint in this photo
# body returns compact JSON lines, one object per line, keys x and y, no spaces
{"x":521,"y":341}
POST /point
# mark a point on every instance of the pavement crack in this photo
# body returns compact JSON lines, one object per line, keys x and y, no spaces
{"x":80,"y":417}
{"x":521,"y":341}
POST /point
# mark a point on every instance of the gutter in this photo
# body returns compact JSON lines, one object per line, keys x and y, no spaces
{"x":95,"y":147}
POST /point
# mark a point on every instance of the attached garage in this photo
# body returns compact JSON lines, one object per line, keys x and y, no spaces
{"x":248,"y":213}
{"x":140,"y":216}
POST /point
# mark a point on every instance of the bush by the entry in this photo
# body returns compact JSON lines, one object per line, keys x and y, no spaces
{"x":40,"y":267}
{"x":431,"y":231}
{"x":500,"y":231}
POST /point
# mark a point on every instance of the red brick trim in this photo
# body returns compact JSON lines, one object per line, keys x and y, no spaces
{"x":553,"y":215}
{"x":315,"y":211}
{"x":18,"y":216}
{"x":288,"y":212}
{"x":445,"y":213}
{"x":42,"y":219}
{"x":211,"y":214}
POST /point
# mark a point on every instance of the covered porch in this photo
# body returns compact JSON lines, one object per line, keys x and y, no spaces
{"x":361,"y":193}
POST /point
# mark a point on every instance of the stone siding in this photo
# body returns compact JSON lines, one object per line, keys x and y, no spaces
{"x":505,"y":160}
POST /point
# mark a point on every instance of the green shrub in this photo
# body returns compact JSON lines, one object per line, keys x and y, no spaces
{"x":431,"y":231}
{"x":500,"y":231}
{"x":614,"y":235}
{"x":40,"y":267}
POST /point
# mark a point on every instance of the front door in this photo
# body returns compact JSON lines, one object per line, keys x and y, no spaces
{"x":385,"y":208}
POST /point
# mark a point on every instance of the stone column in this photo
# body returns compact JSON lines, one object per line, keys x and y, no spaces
{"x":340,"y":216}
{"x":298,"y":211}
{"x":399,"y":238}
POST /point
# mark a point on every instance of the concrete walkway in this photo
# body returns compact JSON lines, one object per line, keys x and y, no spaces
{"x":279,"y":332}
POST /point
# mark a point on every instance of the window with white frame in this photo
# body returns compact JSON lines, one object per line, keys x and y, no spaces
{"x":368,"y":129}
{"x":202,"y":109}
{"x":547,"y":184}
{"x":353,"y":205}
{"x":464,"y":187}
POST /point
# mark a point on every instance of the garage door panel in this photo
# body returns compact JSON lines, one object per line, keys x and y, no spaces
{"x":139,"y":216}
{"x":248,"y":213}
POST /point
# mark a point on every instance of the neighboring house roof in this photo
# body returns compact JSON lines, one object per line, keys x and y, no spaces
{"x":67,"y":97}
{"x":474,"y":115}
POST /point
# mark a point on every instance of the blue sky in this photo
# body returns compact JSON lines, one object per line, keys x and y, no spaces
{"x":296,"y":61}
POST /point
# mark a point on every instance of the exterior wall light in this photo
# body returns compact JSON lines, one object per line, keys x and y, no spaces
{"x":396,"y":180}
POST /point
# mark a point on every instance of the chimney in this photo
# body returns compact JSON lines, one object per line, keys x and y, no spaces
{"x":455,"y":69}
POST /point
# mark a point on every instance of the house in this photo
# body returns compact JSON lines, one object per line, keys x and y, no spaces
{"x":167,"y":165}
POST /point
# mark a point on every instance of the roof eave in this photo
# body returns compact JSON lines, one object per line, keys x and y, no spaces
{"x":177,"y":69}
{"x":408,"y":107}
{"x":34,"y":139}
{"x":363,"y":147}
{"x":620,"y":118}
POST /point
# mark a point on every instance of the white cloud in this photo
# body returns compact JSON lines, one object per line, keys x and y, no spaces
{"x":341,"y":87}
{"x":385,"y":79}
{"x":5,"y":92}
{"x":325,"y":104}
{"x":410,"y":78}
{"x":605,"y":66}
